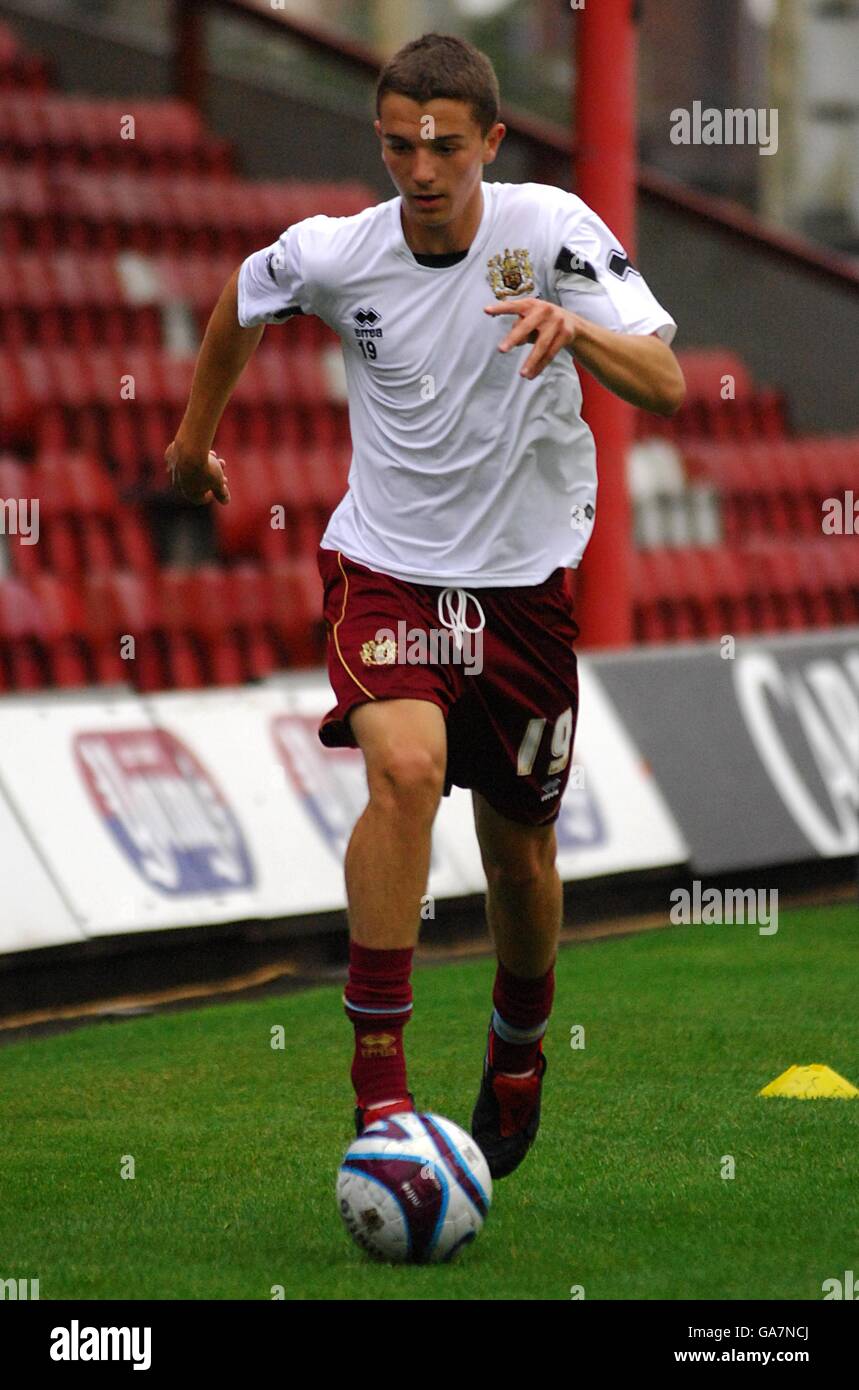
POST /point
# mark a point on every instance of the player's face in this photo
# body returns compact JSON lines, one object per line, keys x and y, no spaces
{"x":435,"y":152}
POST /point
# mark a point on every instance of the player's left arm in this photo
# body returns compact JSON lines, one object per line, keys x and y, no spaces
{"x":638,"y":367}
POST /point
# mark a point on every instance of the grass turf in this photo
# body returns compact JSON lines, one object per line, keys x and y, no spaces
{"x":236,"y":1145}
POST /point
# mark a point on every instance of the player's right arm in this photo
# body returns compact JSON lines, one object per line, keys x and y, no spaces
{"x":195,"y":470}
{"x":270,"y":286}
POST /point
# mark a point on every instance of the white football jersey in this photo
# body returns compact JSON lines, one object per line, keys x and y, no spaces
{"x":463,"y":472}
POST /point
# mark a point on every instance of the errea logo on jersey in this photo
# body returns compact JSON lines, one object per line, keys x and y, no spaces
{"x":366,"y":320}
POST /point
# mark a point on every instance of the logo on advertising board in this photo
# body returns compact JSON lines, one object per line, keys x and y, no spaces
{"x":165,"y":811}
{"x":801,"y":711}
{"x":331,"y":782}
{"x":580,"y":824}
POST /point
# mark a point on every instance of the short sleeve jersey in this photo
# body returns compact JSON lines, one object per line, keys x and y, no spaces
{"x":463,"y":472}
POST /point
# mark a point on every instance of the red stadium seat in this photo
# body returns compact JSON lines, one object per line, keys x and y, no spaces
{"x":97,"y":545}
{"x":781,"y":579}
{"x":251,"y":601}
{"x":296,"y":595}
{"x":65,"y":621}
{"x":14,"y":478}
{"x":62,"y":548}
{"x":135,"y":543}
{"x":827,"y":556}
{"x":662,"y":592}
{"x":73,"y":483}
{"x":727,"y":582}
{"x":23,"y":629}
{"x":197,"y":611}
{"x":122,"y":606}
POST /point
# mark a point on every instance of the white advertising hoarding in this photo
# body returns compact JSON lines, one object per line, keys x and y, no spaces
{"x":190,"y":808}
{"x":32,"y":911}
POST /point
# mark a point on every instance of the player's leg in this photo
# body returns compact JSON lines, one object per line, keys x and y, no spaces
{"x":524,"y":895}
{"x":404,"y":745}
{"x":523,"y":909}
{"x":522,"y":727}
{"x":524,"y":901}
{"x":387,"y":864}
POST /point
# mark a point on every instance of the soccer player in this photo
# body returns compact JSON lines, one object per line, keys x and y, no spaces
{"x":472,"y":488}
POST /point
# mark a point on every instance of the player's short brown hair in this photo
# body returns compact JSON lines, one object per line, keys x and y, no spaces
{"x":442,"y":65}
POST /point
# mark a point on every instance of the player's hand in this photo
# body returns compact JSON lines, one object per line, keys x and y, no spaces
{"x":548,"y":326}
{"x":196,"y":477}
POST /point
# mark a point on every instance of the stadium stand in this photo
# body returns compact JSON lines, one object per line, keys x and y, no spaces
{"x":113,"y":251}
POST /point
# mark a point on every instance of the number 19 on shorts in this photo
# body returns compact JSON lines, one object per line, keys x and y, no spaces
{"x":560,"y":746}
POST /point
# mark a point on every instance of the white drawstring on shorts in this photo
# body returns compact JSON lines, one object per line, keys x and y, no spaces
{"x":452,"y":611}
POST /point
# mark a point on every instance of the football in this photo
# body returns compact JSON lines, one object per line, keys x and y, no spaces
{"x":413,"y":1189}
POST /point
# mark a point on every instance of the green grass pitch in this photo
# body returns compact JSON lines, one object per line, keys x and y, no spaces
{"x":236,"y":1145}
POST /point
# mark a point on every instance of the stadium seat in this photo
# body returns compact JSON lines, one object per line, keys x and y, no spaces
{"x":98,"y":547}
{"x":65,"y":630}
{"x":14,"y":477}
{"x":664,"y":610}
{"x":74,"y":483}
{"x":23,"y":629}
{"x":198,"y":614}
{"x":120,"y":606}
{"x":726,"y":580}
{"x":296,"y":597}
{"x":749,"y":412}
{"x":134,"y":542}
{"x":61,"y":540}
{"x":251,"y":601}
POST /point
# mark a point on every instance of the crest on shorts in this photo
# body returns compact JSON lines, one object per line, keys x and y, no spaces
{"x":379,"y":653}
{"x":511,"y":273}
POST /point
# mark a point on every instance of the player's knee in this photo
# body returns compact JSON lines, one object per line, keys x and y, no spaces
{"x":408,"y":780}
{"x":525,"y":864}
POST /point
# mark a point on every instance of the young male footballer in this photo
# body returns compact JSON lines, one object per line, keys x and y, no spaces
{"x":472,"y":488}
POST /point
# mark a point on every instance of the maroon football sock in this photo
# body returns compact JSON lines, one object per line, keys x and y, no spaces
{"x":378,"y":1001}
{"x":522,"y":1009}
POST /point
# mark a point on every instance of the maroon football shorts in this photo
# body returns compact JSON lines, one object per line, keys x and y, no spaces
{"x":509,"y":694}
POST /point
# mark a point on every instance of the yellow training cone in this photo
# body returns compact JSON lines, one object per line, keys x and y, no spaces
{"x":810,"y":1083}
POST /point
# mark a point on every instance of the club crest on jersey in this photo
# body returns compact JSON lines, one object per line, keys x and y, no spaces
{"x":379,"y":653}
{"x":511,"y":273}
